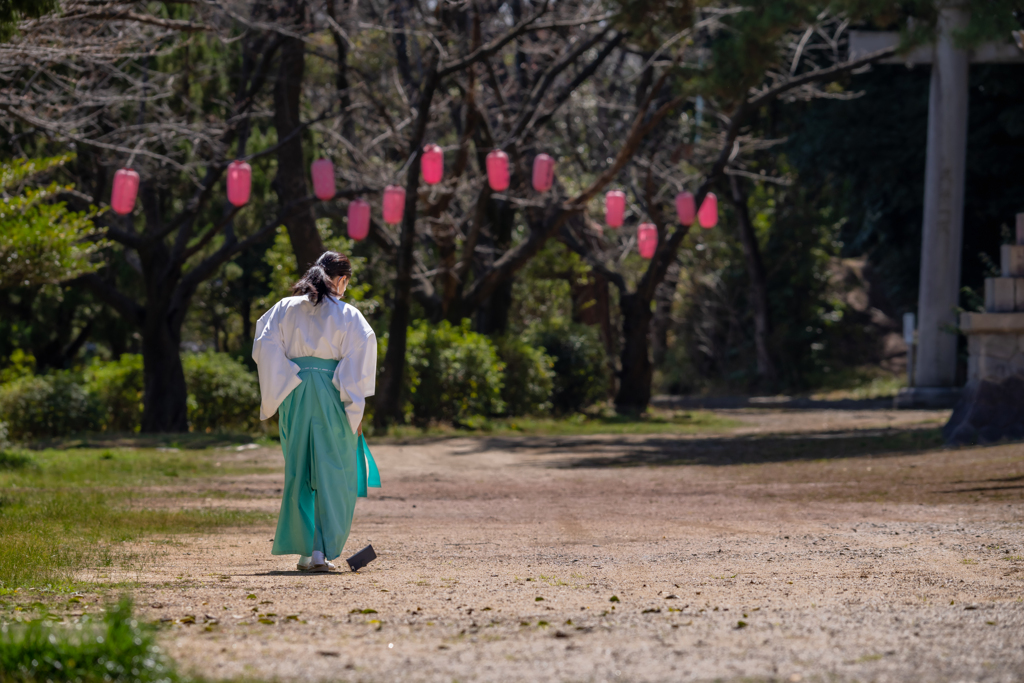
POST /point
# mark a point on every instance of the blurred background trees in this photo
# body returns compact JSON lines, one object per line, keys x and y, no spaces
{"x":505,"y":302}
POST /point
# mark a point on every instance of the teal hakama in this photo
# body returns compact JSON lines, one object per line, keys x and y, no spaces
{"x":326,"y":466}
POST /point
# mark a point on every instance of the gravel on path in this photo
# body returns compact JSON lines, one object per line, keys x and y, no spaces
{"x":641,"y":558}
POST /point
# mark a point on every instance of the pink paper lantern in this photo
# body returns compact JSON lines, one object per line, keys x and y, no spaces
{"x":543,"y":172}
{"x":126,"y":188}
{"x":432,"y":164}
{"x":323,"y":179}
{"x":497,"y":170}
{"x":685,"y":208}
{"x":708,"y":214}
{"x":647,"y":239}
{"x":614,"y":207}
{"x":239,"y":182}
{"x":394,"y":204}
{"x":359,"y":219}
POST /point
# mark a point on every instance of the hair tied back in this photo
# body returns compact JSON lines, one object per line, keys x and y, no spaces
{"x":316,"y":283}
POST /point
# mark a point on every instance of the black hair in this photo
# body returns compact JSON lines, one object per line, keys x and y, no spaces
{"x":314,"y":283}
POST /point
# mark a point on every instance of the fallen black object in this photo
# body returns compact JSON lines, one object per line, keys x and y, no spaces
{"x":362,"y":558}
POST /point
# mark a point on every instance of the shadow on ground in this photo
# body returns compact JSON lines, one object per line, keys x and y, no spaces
{"x":666,"y":450}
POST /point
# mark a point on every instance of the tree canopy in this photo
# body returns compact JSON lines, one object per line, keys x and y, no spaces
{"x":41,"y":241}
{"x":651,"y":98}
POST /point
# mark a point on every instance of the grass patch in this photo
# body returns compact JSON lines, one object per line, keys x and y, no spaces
{"x":859,"y":384}
{"x":603,"y":421}
{"x":127,"y":468}
{"x":10,"y":460}
{"x":194,"y":441}
{"x":116,"y":649}
{"x":67,"y":510}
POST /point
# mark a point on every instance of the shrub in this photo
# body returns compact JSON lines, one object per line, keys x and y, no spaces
{"x":19,"y":364}
{"x":51,"y":405}
{"x":222,"y":393}
{"x":581,"y":372}
{"x":117,"y":388}
{"x":9,"y":460}
{"x":117,"y":649}
{"x":453,"y":373}
{"x":529,"y":378}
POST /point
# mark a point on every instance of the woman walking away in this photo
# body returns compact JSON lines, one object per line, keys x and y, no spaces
{"x":317,"y":358}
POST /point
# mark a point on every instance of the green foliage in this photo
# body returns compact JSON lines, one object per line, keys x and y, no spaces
{"x":40,"y":240}
{"x":581,"y":372}
{"x":452,"y":373}
{"x":50,"y":405}
{"x":118,"y":649}
{"x":529,"y":377}
{"x":713,"y":344}
{"x":873,"y":174}
{"x":19,"y":364}
{"x":222,"y":393}
{"x":542,"y":292}
{"x":117,"y":388}
{"x":10,"y":460}
{"x":990,"y":20}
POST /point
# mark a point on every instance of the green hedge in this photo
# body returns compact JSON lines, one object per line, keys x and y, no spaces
{"x":222,"y":395}
{"x":50,"y":405}
{"x":452,"y":373}
{"x":116,"y":387}
{"x":529,"y":377}
{"x":581,"y":370}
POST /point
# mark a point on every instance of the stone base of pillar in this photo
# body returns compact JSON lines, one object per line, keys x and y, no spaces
{"x":992,"y":406}
{"x":922,"y":398}
{"x":990,"y":410}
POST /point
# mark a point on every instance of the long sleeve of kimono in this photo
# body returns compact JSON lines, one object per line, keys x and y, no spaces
{"x":355,"y":376}
{"x":278,"y":375}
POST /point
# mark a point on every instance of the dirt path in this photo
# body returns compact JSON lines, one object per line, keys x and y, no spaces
{"x":804,"y":547}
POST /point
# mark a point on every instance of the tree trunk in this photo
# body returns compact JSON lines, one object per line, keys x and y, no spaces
{"x":290,"y":182}
{"x":766,"y":372}
{"x":341,"y":46}
{"x":591,"y":300}
{"x":59,"y":344}
{"x":492,"y":316}
{"x":635,"y":376}
{"x":389,"y":398}
{"x":664,"y":297}
{"x":591,"y":305}
{"x":165,"y":395}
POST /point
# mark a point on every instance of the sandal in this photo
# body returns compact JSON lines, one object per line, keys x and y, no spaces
{"x":328,"y":566}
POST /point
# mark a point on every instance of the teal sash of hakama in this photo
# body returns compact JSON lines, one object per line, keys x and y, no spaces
{"x":326,"y":467}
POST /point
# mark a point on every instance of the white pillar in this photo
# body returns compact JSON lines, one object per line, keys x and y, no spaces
{"x":942,"y":230}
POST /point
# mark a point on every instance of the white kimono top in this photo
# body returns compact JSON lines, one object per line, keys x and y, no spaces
{"x":334,"y":330}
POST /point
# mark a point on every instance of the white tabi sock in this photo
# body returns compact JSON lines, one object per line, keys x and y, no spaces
{"x":318,"y":557}
{"x":305,"y":559}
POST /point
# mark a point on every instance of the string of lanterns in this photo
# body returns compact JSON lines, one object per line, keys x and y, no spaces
{"x":239,"y":182}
